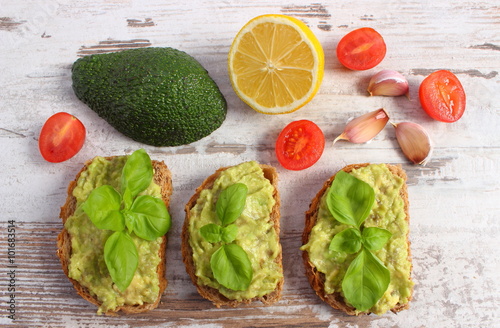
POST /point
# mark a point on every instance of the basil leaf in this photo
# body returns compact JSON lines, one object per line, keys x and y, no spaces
{"x":231,"y":267}
{"x":348,"y":241}
{"x":137,"y":173}
{"x":365,"y":281}
{"x":103,"y":208}
{"x":130,"y":219}
{"x":229,"y":233}
{"x":127,"y":199}
{"x":211,"y":232}
{"x":152,"y":219}
{"x":231,"y":203}
{"x":120,"y":255}
{"x":375,"y":238}
{"x":349,"y":199}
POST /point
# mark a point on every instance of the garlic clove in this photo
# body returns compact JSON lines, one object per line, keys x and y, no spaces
{"x":414,"y":142}
{"x":364,"y":128}
{"x":388,"y":83}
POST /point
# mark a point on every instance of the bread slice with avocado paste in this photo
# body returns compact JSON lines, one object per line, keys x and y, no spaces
{"x":81,"y":245}
{"x":254,"y":230}
{"x":328,"y":268}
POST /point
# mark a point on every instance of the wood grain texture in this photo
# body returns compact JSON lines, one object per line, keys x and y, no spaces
{"x":453,"y":200}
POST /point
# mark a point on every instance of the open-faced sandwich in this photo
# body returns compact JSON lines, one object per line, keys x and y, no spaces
{"x":230,"y":237}
{"x":112,"y":246}
{"x":355,"y":242}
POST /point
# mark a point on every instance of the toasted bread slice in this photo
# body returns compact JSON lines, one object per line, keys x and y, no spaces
{"x":163,"y":178}
{"x":213,"y":294}
{"x":316,"y":278}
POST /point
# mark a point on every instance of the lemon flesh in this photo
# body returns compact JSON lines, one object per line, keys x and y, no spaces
{"x":276,"y":64}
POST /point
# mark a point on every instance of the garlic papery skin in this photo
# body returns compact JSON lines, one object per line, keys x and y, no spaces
{"x":364,"y":128}
{"x":414,"y":142}
{"x":388,"y":83}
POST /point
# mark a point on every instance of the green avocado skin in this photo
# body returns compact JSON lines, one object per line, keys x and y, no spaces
{"x":157,"y":96}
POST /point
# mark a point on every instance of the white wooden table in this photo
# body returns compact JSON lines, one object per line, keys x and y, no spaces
{"x":454,"y":206}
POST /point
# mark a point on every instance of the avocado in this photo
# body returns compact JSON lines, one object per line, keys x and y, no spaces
{"x":157,"y":96}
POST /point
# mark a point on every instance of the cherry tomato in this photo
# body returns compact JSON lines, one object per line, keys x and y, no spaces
{"x":361,"y":49}
{"x":442,"y":96}
{"x":300,"y":145}
{"x":61,"y":137}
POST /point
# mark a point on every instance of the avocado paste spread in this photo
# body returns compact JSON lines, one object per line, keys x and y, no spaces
{"x":256,"y":233}
{"x":387,"y":213}
{"x":87,"y":264}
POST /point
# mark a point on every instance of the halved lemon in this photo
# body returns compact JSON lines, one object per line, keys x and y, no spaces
{"x":276,"y":64}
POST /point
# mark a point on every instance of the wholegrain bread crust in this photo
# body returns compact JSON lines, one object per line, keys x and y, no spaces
{"x":316,"y":278}
{"x":163,"y":178}
{"x":213,"y":294}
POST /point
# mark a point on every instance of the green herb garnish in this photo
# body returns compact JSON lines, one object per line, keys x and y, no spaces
{"x":229,"y":263}
{"x":127,"y":212}
{"x":350,"y":201}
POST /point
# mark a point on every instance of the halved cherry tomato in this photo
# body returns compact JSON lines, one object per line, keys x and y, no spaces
{"x":61,"y":137}
{"x":300,"y":145}
{"x":442,"y":96}
{"x":361,"y":49}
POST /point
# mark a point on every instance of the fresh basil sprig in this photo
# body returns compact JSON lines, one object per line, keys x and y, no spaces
{"x":127,"y":212}
{"x":350,"y":201}
{"x":230,"y":264}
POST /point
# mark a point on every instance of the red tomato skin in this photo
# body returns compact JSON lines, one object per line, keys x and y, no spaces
{"x":441,"y":84}
{"x":312,"y":141}
{"x":62,"y":136}
{"x":361,"y":49}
